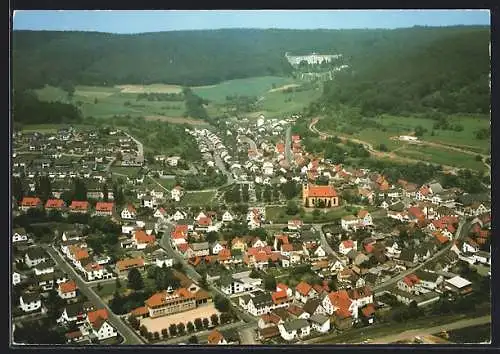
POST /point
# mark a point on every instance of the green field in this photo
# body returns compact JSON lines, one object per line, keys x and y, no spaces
{"x":278,"y":215}
{"x":275,"y":102}
{"x":255,"y":86}
{"x":51,"y":128}
{"x":466,"y":138}
{"x":197,"y":198}
{"x":441,"y":156}
{"x":103,"y":102}
{"x":126,"y":170}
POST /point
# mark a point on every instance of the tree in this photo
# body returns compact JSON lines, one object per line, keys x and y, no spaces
{"x":316,"y":213}
{"x":206,"y":322}
{"x":221,"y":303}
{"x":190,"y":327}
{"x":181,"y":328}
{"x":143,"y":330}
{"x":214,"y":319}
{"x":419,"y":131}
{"x":270,"y":283}
{"x":17,"y":188}
{"x":292,"y":208}
{"x":105,"y":192}
{"x":79,"y":189}
{"x":211,"y":236}
{"x":118,"y":283}
{"x":172,"y":329}
{"x":135,"y":281}
{"x":149,"y":336}
{"x":479,"y":158}
{"x":383,"y":147}
{"x":198,"y":324}
{"x":225,"y":317}
{"x":164,"y":333}
{"x":134,"y":322}
{"x":193,"y":340}
{"x":254,"y":274}
{"x":156,"y":336}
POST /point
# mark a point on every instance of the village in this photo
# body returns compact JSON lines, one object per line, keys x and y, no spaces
{"x":107,"y":257}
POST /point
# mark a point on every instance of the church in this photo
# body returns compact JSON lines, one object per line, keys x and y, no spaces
{"x":319,"y":196}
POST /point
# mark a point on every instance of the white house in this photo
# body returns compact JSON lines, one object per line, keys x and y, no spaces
{"x":294,"y":329}
{"x":176,"y":193}
{"x":129,"y":212}
{"x":149,"y":202}
{"x":161,"y":261}
{"x":67,"y":290}
{"x":348,"y":221}
{"x":217,"y":247}
{"x":30,"y":302}
{"x":347,"y":246}
{"x":19,"y":235}
{"x":16,"y":278}
{"x":320,"y":323}
{"x":227,"y":217}
{"x":179,"y":215}
{"x":160,"y":213}
{"x":35,"y":256}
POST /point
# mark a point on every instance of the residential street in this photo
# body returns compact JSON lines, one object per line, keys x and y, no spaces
{"x":130,"y":337}
{"x":461,"y":231}
{"x":203,"y":335}
{"x":288,"y":145}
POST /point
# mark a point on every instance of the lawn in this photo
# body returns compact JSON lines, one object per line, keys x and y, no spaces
{"x":197,"y":198}
{"x":441,"y":156}
{"x":278,"y":215}
{"x":255,"y":86}
{"x":275,"y":103}
{"x":51,"y":128}
{"x":475,"y":334}
{"x":126,"y":170}
{"x":108,"y":289}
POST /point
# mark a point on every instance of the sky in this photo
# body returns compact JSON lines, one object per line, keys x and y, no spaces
{"x":139,"y":21}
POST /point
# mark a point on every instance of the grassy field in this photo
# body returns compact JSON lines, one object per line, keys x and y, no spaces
{"x":466,"y":138}
{"x":103,"y":102}
{"x":276,"y":102}
{"x":126,"y":170}
{"x":197,"y":198}
{"x":51,"y":128}
{"x":255,"y":86}
{"x":441,"y":156}
{"x":278,"y":215}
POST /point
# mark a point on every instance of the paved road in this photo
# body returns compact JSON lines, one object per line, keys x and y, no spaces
{"x":462,"y":230}
{"x":130,"y":337}
{"x":247,"y":336}
{"x":249,"y":141}
{"x":108,"y":166}
{"x":410,"y":334}
{"x":140,"y":147}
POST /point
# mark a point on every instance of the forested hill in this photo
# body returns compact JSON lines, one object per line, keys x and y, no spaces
{"x":450,"y":74}
{"x":198,"y":57}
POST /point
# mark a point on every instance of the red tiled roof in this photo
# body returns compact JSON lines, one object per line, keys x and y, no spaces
{"x":321,"y":191}
{"x":340,"y":299}
{"x":348,"y":243}
{"x":79,"y":205}
{"x":282,"y":286}
{"x":280,"y":147}
{"x":131,"y":208}
{"x":142,"y":237}
{"x":31,"y":201}
{"x":411,"y":280}
{"x":54,"y":204}
{"x":362,"y":213}
{"x":418,"y":213}
{"x":368,"y":310}
{"x":129,"y":263}
{"x":279,"y":297}
{"x":183,"y":247}
{"x":215,"y":337}
{"x":205,"y":221}
{"x":104,"y":206}
{"x":440,"y":237}
{"x":68,"y":287}
{"x":140,"y":311}
{"x":303,"y":288}
{"x":93,"y":316}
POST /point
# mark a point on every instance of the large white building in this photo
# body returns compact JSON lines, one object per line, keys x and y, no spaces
{"x":313,"y":58}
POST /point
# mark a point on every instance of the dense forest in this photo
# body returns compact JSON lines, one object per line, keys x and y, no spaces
{"x":193,"y":58}
{"x":27,"y":109}
{"x":449,"y":75}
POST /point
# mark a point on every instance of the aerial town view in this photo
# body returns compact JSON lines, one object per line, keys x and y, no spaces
{"x":209,"y":178}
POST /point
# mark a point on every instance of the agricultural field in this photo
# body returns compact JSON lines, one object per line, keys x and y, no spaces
{"x":256,"y":86}
{"x":104,"y":102}
{"x":466,"y":139}
{"x":129,"y":171}
{"x":275,"y":103}
{"x":441,"y":156}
